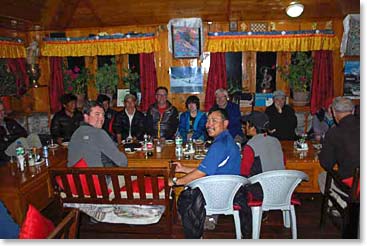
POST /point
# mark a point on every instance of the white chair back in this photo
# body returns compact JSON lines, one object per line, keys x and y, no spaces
{"x":219,"y":192}
{"x":278,"y":187}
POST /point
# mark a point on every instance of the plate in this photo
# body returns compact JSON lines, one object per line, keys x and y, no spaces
{"x":199,"y":157}
{"x":53,"y":146}
{"x":65,"y":144}
{"x":198,"y":141}
{"x":169,"y":141}
{"x":128,"y":151}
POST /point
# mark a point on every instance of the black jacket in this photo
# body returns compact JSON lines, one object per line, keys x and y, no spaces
{"x":121,"y":125}
{"x":64,"y":126}
{"x":168,"y":123}
{"x":15,"y":131}
{"x":284,"y":123}
{"x":342,"y":147}
{"x":109,"y":116}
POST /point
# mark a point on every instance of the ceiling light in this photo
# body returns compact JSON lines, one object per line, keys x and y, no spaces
{"x":294,"y":9}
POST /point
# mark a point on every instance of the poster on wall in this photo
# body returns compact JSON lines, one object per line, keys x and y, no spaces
{"x":352,"y":79}
{"x":186,"y":42}
{"x":186,"y":79}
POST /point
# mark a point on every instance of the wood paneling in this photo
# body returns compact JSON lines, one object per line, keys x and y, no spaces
{"x":164,"y":59}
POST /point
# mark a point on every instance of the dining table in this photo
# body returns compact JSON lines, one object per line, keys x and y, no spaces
{"x":32,"y":186}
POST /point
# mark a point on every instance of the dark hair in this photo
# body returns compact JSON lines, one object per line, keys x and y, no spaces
{"x":223,"y":113}
{"x":88,"y":105}
{"x":102,"y":98}
{"x":66,"y":98}
{"x":193,"y":99}
{"x":258,"y":129}
{"x":161,"y":88}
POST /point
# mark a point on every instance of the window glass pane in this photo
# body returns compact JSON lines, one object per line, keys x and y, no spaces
{"x":234,"y":71}
{"x":266,"y":72}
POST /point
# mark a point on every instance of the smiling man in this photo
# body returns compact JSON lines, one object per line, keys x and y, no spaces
{"x":223,"y":156}
{"x":92,"y":143}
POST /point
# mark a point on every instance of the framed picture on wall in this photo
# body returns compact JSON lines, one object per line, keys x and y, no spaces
{"x":352,"y":79}
{"x":186,"y":42}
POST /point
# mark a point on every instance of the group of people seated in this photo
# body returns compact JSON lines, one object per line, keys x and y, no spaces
{"x":95,"y":133}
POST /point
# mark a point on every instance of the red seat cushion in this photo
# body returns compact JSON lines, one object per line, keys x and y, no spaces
{"x":252,"y":202}
{"x":35,"y":225}
{"x":349,"y":183}
{"x":83,"y":180}
{"x":148,"y":185}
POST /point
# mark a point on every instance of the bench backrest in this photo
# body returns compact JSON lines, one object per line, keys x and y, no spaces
{"x":116,"y":185}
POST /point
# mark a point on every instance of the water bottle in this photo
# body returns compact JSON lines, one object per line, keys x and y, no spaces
{"x":190,"y":146}
{"x":145,"y":142}
{"x":45,"y":154}
{"x":19,"y":149}
{"x":178,"y":142}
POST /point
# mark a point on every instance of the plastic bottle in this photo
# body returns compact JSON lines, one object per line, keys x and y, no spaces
{"x":145,"y":142}
{"x":45,"y":154}
{"x":19,"y":149}
{"x":179,"y":148}
{"x":190,"y":146}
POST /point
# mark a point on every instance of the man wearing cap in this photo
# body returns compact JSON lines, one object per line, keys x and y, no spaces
{"x":283,"y":120}
{"x":342,"y":142}
{"x":262,"y":152}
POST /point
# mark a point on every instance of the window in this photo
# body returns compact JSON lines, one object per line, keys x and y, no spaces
{"x":134,"y":66}
{"x":266,"y":72}
{"x":234,"y":71}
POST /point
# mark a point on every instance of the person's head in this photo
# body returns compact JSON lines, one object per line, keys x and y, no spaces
{"x":130,"y":102}
{"x":161,"y":94}
{"x":256,"y":122}
{"x":342,"y":107}
{"x":104,"y":100}
{"x":221,"y":97}
{"x":279,"y":98}
{"x":93,"y":113}
{"x":2,"y":111}
{"x":217,"y":122}
{"x":68,"y":102}
{"x":192,"y":103}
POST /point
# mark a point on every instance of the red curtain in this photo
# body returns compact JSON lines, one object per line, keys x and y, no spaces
{"x":217,"y":78}
{"x":148,"y":80}
{"x":56,"y":87}
{"x":17,"y":66}
{"x":322,"y":91}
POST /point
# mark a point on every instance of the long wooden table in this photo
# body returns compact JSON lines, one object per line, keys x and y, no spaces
{"x":18,"y":189}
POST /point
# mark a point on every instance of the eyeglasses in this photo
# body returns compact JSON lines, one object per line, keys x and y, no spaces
{"x":224,"y":96}
{"x":161,"y":95}
{"x":214,"y":120}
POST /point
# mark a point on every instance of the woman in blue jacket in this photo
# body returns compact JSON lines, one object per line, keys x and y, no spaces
{"x":192,"y":122}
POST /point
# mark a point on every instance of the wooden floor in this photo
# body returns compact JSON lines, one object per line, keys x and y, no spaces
{"x":308,"y":215}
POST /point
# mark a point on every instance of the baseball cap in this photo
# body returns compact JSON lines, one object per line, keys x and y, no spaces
{"x":259,"y":119}
{"x":278,"y":93}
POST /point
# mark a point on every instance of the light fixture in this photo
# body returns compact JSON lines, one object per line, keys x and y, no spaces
{"x":294,"y":9}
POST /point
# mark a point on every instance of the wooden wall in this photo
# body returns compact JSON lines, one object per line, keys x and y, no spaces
{"x":38,"y":98}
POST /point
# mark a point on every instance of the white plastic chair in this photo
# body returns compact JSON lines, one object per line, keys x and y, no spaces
{"x":278,"y":187}
{"x":219,"y":192}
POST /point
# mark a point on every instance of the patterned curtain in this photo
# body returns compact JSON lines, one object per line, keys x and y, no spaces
{"x":148,"y":80}
{"x":217,"y":77}
{"x":56,"y":87}
{"x":322,"y":89}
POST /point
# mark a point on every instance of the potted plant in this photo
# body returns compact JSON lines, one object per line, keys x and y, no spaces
{"x":8,"y":86}
{"x":298,"y":75}
{"x":76,"y":80}
{"x":131,"y":80}
{"x":107,"y":78}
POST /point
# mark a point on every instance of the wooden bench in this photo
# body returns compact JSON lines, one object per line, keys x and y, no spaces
{"x":118,"y":186}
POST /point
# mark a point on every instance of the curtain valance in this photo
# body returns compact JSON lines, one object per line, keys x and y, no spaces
{"x":272,"y":41}
{"x":100,"y":45}
{"x":12,"y":48}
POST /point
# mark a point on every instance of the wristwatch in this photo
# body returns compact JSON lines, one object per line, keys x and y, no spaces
{"x":174,"y":181}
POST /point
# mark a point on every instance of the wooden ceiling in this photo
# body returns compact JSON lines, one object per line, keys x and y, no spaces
{"x":25,"y":15}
